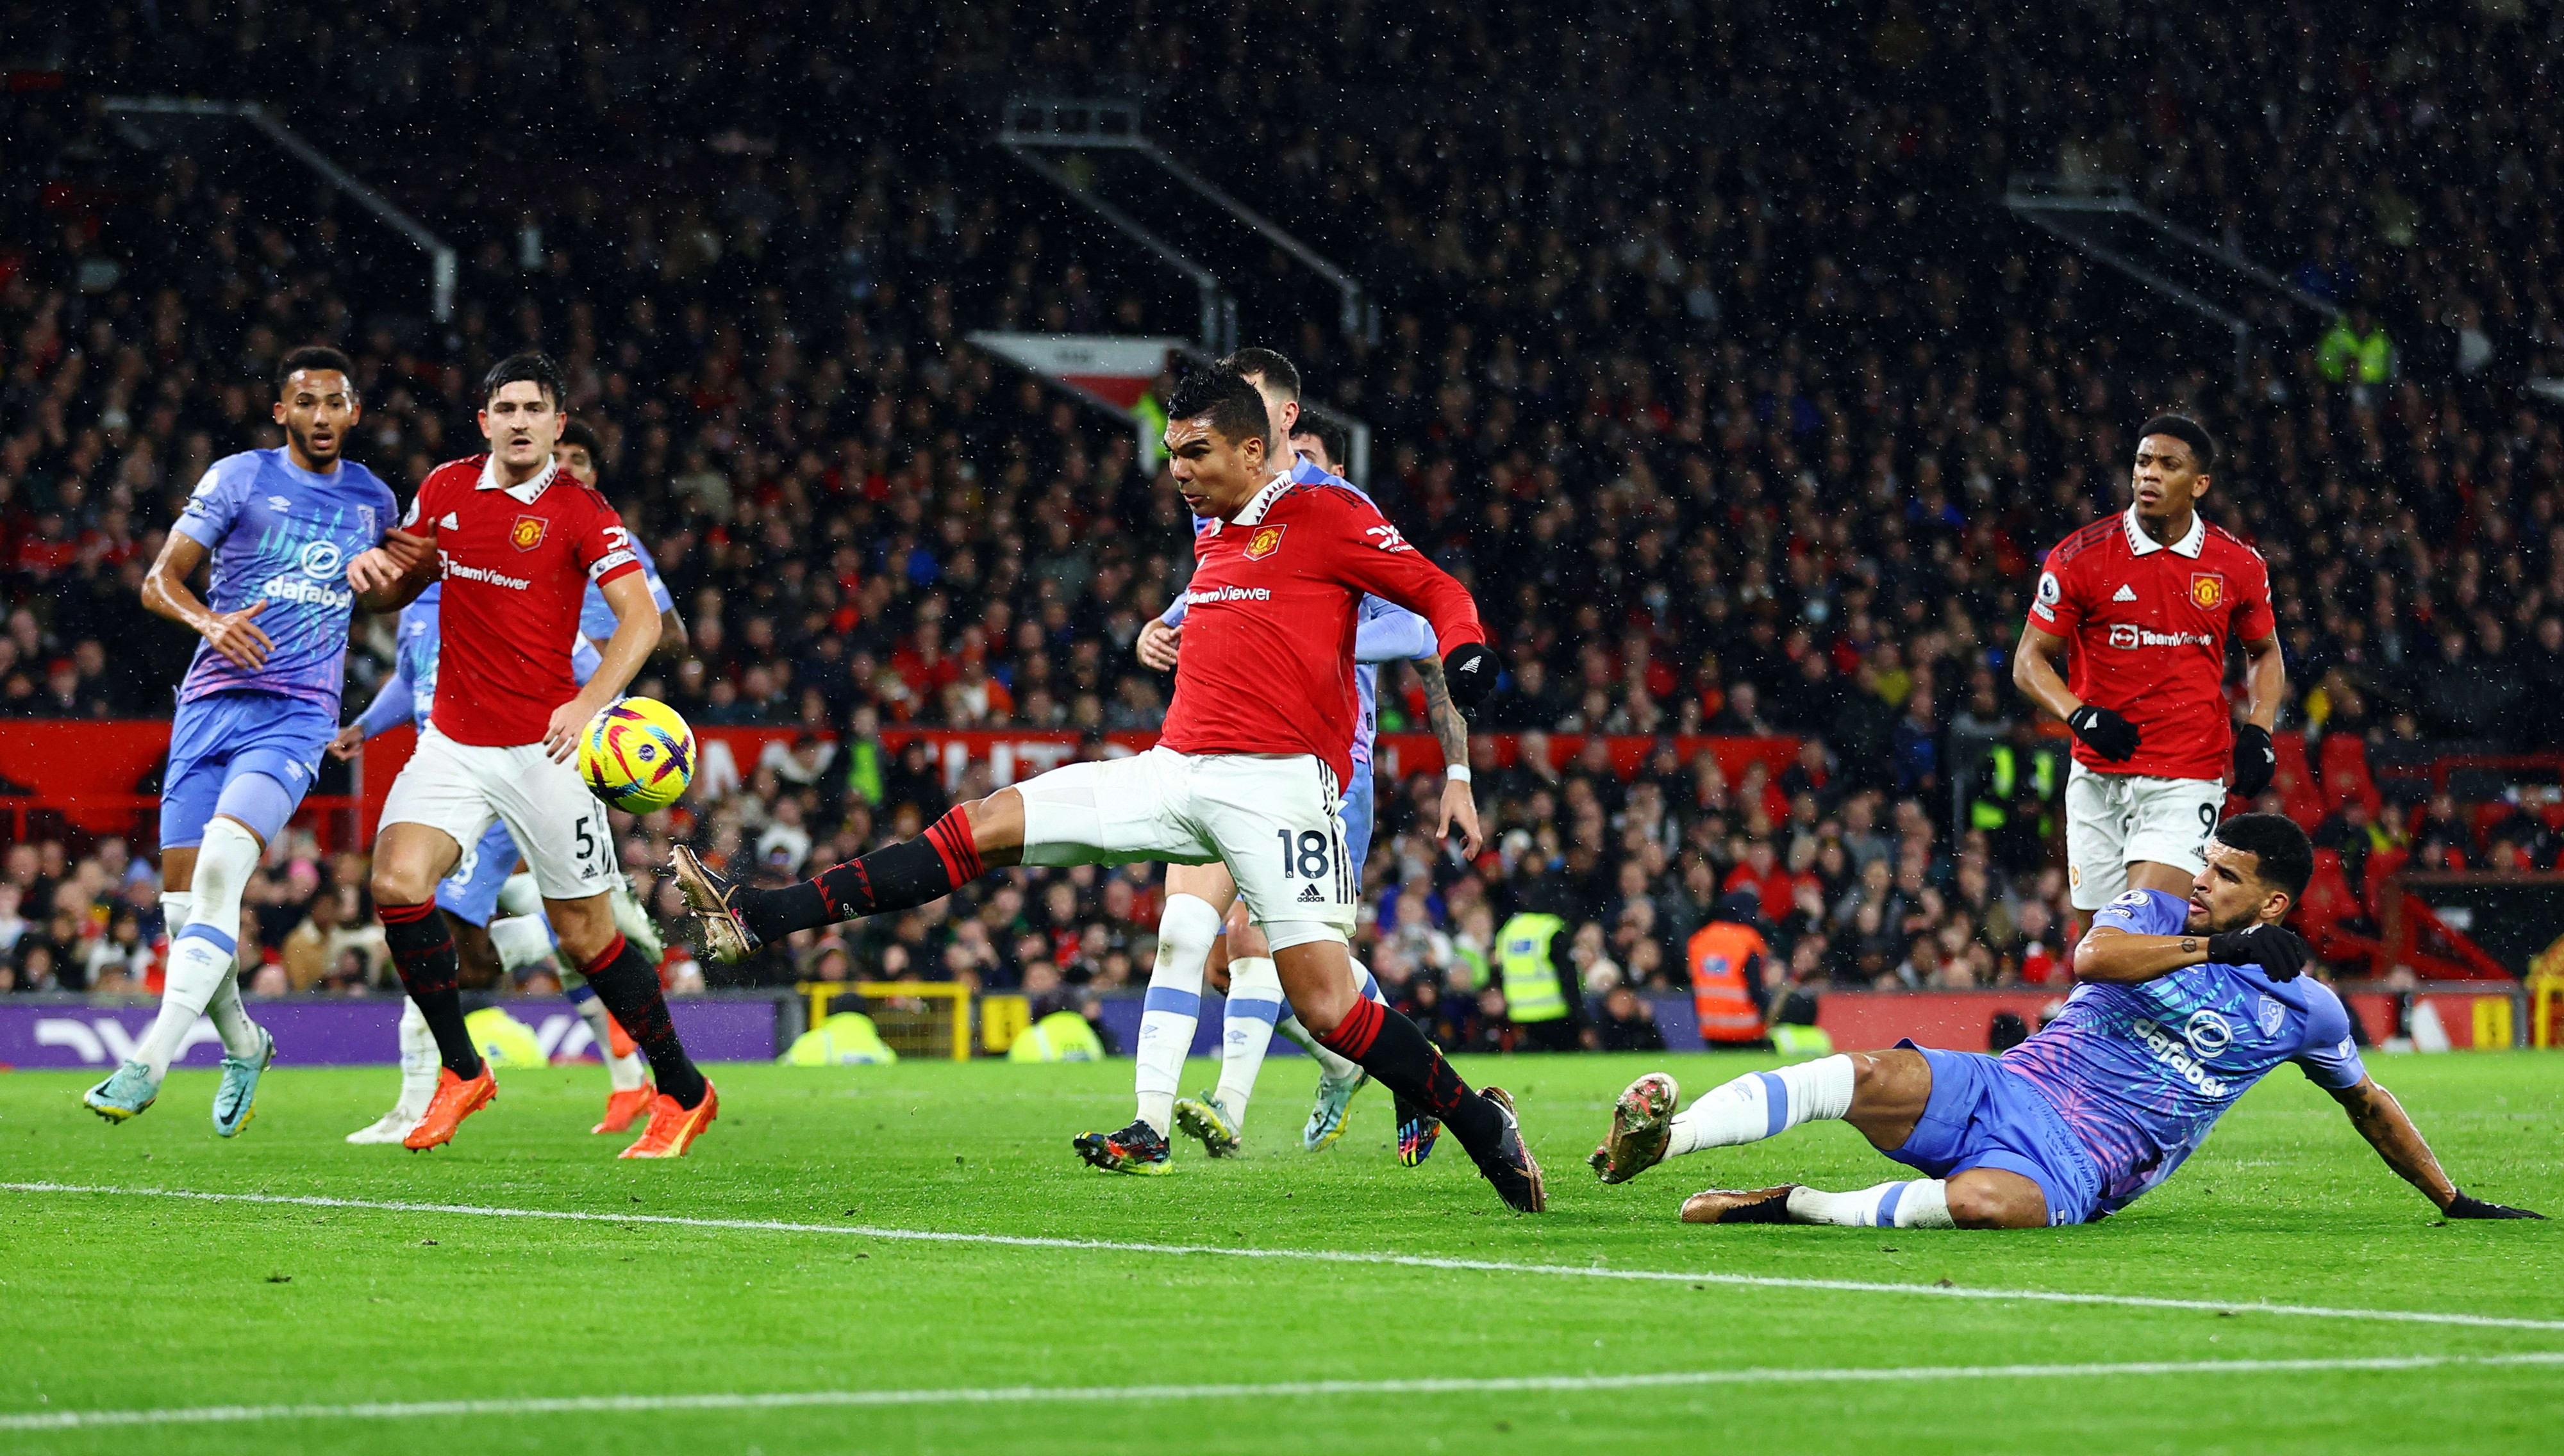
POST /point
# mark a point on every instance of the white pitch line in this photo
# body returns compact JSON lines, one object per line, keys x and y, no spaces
{"x":55,"y":1420}
{"x":1318,"y":1256}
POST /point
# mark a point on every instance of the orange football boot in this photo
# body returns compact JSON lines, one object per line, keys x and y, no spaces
{"x":455,"y":1100}
{"x":622,"y":1107}
{"x":619,"y":1043}
{"x":674,"y":1129}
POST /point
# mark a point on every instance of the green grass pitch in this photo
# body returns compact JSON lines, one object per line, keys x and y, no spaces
{"x":117,"y":1301}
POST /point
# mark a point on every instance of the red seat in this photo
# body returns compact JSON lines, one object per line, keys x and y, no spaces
{"x":2325,"y":909}
{"x":2382,"y":866}
{"x":2293,"y":783}
{"x":2344,"y":758}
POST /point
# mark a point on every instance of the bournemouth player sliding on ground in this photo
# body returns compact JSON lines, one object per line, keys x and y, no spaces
{"x":1247,"y":772}
{"x":515,"y":541}
{"x":2183,"y":1002}
{"x":2147,"y":600}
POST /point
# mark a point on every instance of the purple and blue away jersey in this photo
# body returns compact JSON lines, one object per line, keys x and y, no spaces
{"x":410,"y":692}
{"x":2140,"y":1071}
{"x":1384,"y":631}
{"x":597,"y":619}
{"x":281,"y":533}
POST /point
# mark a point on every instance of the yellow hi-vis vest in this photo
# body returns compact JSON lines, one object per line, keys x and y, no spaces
{"x":848,"y":1039}
{"x":1521,"y":959}
{"x":1062,"y":1036}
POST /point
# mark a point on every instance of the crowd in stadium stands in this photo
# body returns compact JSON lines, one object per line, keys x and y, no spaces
{"x":1705,"y":356}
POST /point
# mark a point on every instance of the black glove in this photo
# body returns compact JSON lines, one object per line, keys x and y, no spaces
{"x":2254,"y":761}
{"x":2104,"y":732}
{"x":1469,"y":671}
{"x":2463,"y":1206}
{"x":2275,"y":949}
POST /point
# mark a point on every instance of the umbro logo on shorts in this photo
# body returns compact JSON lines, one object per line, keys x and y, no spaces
{"x":2124,"y":594}
{"x":1312,"y":895}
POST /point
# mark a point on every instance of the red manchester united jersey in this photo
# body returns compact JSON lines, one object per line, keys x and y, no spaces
{"x":516,"y":561}
{"x":2146,"y":627}
{"x":1266,"y":663}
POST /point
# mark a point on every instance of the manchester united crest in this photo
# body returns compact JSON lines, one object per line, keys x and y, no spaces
{"x":2207,"y":590}
{"x":1266,"y":540}
{"x":526,"y":534}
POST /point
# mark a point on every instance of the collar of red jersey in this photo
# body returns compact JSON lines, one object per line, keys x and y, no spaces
{"x":525,"y":494}
{"x":2145,"y":546}
{"x":1252,"y":514}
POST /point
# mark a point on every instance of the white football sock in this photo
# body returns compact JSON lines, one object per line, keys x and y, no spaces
{"x":201,"y":955}
{"x":624,"y":1073}
{"x":522,"y":941}
{"x":519,"y":896}
{"x":1920,"y":1203}
{"x":419,"y":1061}
{"x":1330,"y":1066}
{"x":1186,"y":929}
{"x":1246,"y":1031}
{"x":1762,"y":1105}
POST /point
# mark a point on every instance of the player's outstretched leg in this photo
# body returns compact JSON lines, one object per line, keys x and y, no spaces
{"x":736,"y":918}
{"x":1645,"y":1130}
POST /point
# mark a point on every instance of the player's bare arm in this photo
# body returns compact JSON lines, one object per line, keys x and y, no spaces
{"x":166,"y":593}
{"x":636,"y":634}
{"x":1451,"y":731}
{"x":2382,"y":1121}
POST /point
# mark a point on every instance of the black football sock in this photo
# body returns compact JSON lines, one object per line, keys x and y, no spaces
{"x":896,"y":877}
{"x":422,"y":947}
{"x":1390,"y":1048}
{"x":625,"y":982}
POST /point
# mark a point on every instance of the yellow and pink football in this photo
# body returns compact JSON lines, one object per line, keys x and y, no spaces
{"x":637,"y":755}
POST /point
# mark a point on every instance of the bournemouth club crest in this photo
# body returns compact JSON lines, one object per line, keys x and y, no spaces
{"x":527,"y":533}
{"x":2207,"y":590}
{"x":1266,"y":540}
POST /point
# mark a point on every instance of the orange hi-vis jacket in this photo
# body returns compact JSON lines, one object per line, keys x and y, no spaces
{"x":1720,"y":994}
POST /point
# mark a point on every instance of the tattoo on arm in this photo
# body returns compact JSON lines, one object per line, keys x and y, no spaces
{"x":1439,"y":710}
{"x":2189,"y":946}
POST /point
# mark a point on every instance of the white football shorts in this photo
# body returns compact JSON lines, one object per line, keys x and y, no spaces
{"x":2113,"y":820}
{"x":1270,"y":817}
{"x":559,"y":827}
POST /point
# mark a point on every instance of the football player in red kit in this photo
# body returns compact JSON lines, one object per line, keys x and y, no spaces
{"x":2145,"y":602}
{"x":516,"y":539}
{"x":1246,"y":771}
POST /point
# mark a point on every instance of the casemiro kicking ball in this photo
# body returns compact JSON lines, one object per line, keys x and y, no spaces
{"x":637,"y":755}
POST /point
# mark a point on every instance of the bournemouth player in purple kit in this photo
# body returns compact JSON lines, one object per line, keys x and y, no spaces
{"x":2182,"y":1006}
{"x":258,"y":703}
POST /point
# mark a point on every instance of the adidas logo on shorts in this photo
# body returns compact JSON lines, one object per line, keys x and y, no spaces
{"x":1312,"y":895}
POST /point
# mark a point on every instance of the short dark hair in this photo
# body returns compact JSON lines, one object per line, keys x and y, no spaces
{"x":2190,"y":432}
{"x":534,"y":365}
{"x":314,"y":356}
{"x":1223,"y":395}
{"x":1277,"y":370}
{"x":2284,"y":858}
{"x":1331,"y":434}
{"x":578,"y":434}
